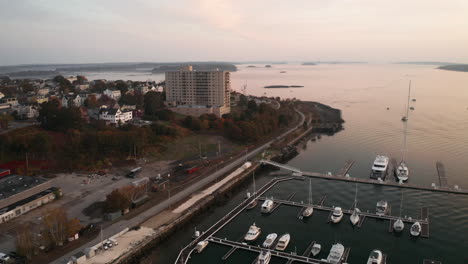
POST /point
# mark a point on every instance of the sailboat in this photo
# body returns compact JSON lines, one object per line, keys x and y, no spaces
{"x":402,"y":170}
{"x":309,"y":209}
{"x":254,"y":202}
{"x":398,"y":226}
{"x":354,"y":218}
{"x":405,"y":118}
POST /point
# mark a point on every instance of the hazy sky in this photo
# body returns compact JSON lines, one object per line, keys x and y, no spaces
{"x":80,"y":31}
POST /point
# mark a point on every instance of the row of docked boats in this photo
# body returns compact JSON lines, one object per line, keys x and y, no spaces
{"x":254,"y":232}
{"x":380,"y":169}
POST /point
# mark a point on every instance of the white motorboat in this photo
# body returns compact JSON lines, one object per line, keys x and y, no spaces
{"x":309,"y":210}
{"x":201,"y":246}
{"x":269,"y":240}
{"x":336,"y":253}
{"x":382,"y":208}
{"x":375,"y":257}
{"x":253,"y":233}
{"x":264,"y":257}
{"x":379,"y":168}
{"x":337,"y":215}
{"x":283,"y":242}
{"x":354,"y":218}
{"x":402,"y":171}
{"x":267,"y":206}
{"x":398,"y":226}
{"x":316,"y":248}
{"x":415,"y":229}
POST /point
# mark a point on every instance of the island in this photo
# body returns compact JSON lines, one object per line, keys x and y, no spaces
{"x":283,"y":86}
{"x":455,"y":67}
{"x":309,"y":63}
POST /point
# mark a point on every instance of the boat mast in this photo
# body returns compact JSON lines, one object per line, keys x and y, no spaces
{"x":355,"y":198}
{"x":310,"y":191}
{"x":255,"y":190}
{"x":409,"y":93}
{"x":401,"y":202}
{"x":406,"y":124}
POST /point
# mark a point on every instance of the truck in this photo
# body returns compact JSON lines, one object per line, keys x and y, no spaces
{"x":192,"y":169}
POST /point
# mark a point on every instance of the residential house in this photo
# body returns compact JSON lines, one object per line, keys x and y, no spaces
{"x":112,"y":93}
{"x":82,"y":87}
{"x":115,"y":116}
{"x":26,"y":111}
{"x":12,"y":101}
{"x":43,"y":91}
{"x":1,"y":95}
{"x":41,"y":99}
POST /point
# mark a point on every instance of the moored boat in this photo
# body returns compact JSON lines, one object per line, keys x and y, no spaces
{"x":337,"y":215}
{"x":283,"y":242}
{"x":379,"y":167}
{"x":402,"y":171}
{"x":382,"y":208}
{"x":336,"y":253}
{"x":415,"y":229}
{"x":267,"y":206}
{"x":264,"y":257}
{"x":201,"y":245}
{"x":253,"y":233}
{"x":269,"y":240}
{"x":316,"y":248}
{"x":375,"y":257}
{"x":354,"y":218}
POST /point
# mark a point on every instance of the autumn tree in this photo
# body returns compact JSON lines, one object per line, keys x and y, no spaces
{"x":53,"y":117}
{"x":57,"y":225}
{"x":153,"y":102}
{"x":116,"y":201}
{"x":25,"y":241}
{"x":91,"y":101}
{"x":5,"y":120}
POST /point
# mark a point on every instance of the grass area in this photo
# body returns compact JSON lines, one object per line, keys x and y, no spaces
{"x":191,"y":146}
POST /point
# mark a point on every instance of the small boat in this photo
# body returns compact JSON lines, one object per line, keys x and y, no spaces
{"x":337,"y":215}
{"x":414,"y":100}
{"x":253,"y":233}
{"x":398,"y":226}
{"x":404,"y":119}
{"x":415,"y":229}
{"x":375,"y":257}
{"x":283,"y":242}
{"x":354,"y":218}
{"x":402,"y":171}
{"x":267,"y":206}
{"x":201,"y":246}
{"x":282,"y":71}
{"x":269,"y":240}
{"x":264,"y":257}
{"x":379,"y":168}
{"x":309,"y":210}
{"x":411,"y":108}
{"x":382,"y":208}
{"x":336,"y":253}
{"x":316,"y":249}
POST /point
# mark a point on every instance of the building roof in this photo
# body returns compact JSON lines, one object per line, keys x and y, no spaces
{"x":14,"y":184}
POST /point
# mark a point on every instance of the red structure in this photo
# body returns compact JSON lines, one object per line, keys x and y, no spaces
{"x":4,"y":172}
{"x":192,"y":170}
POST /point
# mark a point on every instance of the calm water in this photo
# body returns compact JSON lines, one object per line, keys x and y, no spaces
{"x":437,"y":131}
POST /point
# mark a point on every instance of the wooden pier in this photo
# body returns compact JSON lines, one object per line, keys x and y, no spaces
{"x":344,"y":258}
{"x":441,"y":172}
{"x":346,"y":168}
{"x":229,"y":253}
{"x":322,"y":200}
{"x":428,"y":261}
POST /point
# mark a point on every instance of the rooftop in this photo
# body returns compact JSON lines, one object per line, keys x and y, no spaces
{"x":14,"y":184}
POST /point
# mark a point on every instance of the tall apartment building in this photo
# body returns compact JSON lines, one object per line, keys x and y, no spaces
{"x":196,"y":93}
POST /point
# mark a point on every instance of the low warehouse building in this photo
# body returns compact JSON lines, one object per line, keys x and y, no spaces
{"x":21,"y":194}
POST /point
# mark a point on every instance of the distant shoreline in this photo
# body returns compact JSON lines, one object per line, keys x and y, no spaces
{"x":455,"y":67}
{"x":283,"y":86}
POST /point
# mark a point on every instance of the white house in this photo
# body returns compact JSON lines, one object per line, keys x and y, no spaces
{"x":82,"y":87}
{"x":1,"y":95}
{"x":113,"y":116}
{"x":114,"y":94}
{"x":43,"y":91}
{"x":26,"y":111}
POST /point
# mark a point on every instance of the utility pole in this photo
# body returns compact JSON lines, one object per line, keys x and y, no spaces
{"x":134,"y":150}
{"x":219,"y":148}
{"x":27,"y":163}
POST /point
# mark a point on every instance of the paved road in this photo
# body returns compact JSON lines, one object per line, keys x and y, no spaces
{"x":117,"y":227}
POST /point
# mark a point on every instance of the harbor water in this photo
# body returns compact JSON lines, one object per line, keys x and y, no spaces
{"x":373,"y":99}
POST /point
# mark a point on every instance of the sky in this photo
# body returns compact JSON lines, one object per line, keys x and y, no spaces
{"x":87,"y":31}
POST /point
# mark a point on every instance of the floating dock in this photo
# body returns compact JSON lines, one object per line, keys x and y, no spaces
{"x":346,"y":168}
{"x":441,"y":188}
{"x":443,"y":182}
{"x":365,"y":214}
